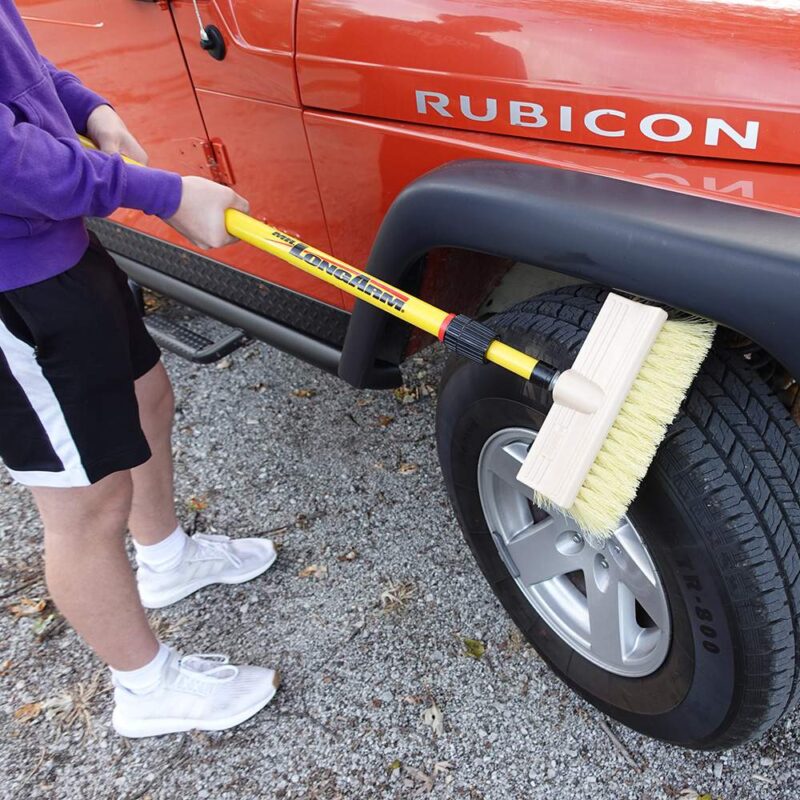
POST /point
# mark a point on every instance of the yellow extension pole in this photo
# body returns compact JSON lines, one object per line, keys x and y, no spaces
{"x":358,"y":283}
{"x":362,"y":285}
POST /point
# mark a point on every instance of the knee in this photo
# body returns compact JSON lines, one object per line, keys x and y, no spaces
{"x":98,"y":510}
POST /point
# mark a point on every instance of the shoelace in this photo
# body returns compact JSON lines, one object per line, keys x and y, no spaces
{"x":210,"y":546}
{"x":201,"y":672}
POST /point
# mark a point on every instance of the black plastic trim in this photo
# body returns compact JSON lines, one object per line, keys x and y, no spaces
{"x":736,"y":265}
{"x":294,"y":342}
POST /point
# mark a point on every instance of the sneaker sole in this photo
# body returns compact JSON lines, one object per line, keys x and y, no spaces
{"x":162,"y":601}
{"x":162,"y":727}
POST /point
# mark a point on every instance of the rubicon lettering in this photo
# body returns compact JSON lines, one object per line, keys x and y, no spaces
{"x":608,"y":123}
{"x":359,"y":281}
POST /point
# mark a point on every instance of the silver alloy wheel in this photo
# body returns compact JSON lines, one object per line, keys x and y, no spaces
{"x":604,"y":599}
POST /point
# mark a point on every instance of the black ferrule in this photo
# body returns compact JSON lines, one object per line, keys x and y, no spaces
{"x":468,"y":338}
{"x":544,"y":375}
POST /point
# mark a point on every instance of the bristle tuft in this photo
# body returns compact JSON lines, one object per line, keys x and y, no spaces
{"x":649,"y":409}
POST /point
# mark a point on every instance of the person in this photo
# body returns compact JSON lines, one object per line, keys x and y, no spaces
{"x":85,"y":404}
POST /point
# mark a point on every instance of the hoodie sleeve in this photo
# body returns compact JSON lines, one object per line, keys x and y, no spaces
{"x":78,"y":101}
{"x":45,"y":177}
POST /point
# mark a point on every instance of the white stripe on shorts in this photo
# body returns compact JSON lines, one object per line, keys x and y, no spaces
{"x":28,"y":374}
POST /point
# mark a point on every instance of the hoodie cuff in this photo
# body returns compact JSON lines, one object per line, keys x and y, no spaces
{"x":153,"y":191}
{"x":78,"y":101}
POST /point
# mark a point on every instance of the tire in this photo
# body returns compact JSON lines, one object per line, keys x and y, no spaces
{"x":718,"y":513}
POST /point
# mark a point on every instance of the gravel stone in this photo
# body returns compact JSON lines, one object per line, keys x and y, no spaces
{"x":320,"y":474}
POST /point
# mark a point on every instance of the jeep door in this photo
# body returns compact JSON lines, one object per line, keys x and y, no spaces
{"x":236,"y":120}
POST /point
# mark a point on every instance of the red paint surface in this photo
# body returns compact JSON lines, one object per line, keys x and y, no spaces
{"x":686,"y":58}
{"x":328,"y":170}
{"x":259,"y":62}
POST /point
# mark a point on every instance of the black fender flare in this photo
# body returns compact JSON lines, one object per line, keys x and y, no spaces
{"x":736,"y":265}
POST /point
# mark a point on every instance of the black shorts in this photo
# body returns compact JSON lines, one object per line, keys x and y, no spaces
{"x":71,"y":348}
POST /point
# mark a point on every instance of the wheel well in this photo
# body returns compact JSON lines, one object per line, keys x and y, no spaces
{"x":478,"y":284}
{"x":736,"y":265}
{"x":488,"y":285}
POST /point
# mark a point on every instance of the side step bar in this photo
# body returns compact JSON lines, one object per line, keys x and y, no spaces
{"x":289,"y":340}
{"x":189,"y":344}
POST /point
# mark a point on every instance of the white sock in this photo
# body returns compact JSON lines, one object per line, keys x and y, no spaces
{"x":165,"y":555}
{"x":146,"y":678}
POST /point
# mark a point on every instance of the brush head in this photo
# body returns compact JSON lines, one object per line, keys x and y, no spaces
{"x":641,"y":425}
{"x":591,"y":465}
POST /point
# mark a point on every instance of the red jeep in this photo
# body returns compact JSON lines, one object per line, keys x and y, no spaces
{"x":516,"y":159}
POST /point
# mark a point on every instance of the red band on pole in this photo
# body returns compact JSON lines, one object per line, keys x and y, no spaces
{"x":443,"y":327}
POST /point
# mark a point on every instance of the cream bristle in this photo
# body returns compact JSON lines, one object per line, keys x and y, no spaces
{"x":641,"y":425}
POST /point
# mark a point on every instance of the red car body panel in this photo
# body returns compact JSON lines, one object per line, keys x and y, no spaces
{"x":318,"y":102}
{"x":683,"y":62}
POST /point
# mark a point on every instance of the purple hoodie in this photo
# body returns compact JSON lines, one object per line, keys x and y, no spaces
{"x":48,"y":182}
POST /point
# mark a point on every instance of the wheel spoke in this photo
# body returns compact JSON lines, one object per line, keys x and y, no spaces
{"x":533,"y":550}
{"x":636,"y":573}
{"x":605,"y":620}
{"x":636,"y":563}
{"x":506,"y":463}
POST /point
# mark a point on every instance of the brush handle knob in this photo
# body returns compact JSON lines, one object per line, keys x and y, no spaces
{"x":577,"y":392}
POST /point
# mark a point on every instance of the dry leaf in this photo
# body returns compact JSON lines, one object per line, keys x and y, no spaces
{"x":151,"y":302}
{"x":515,"y":642}
{"x":28,"y":712}
{"x":363,"y":401}
{"x":313,"y":571}
{"x":397,"y":594}
{"x":28,"y":607}
{"x":406,"y":395}
{"x":5,"y":667}
{"x":351,"y":556}
{"x":407,"y":469}
{"x":384,"y":420}
{"x":474,"y":648}
{"x":41,"y":625}
{"x":59,"y":705}
{"x":165,"y":627}
{"x":432,"y":717}
{"x":196,"y":504}
{"x":224,"y":363}
{"x":418,"y":775}
{"x":75,"y":705}
{"x":396,"y":764}
{"x":304,"y":392}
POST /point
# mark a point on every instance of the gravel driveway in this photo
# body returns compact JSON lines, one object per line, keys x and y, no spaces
{"x":365,"y":613}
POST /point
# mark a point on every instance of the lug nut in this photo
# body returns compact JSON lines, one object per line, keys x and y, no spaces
{"x":603,"y":563}
{"x":577,"y":538}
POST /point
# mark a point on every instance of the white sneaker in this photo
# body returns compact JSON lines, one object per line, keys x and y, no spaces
{"x":197,"y":692}
{"x":206,"y":559}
